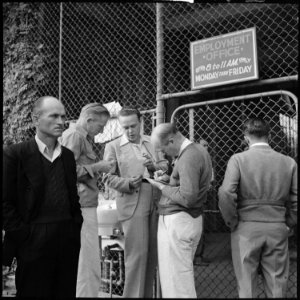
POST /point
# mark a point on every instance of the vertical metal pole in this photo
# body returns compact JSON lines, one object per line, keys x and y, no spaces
{"x":153,"y":119}
{"x":60,"y":50}
{"x":191,"y":124}
{"x":160,"y":110}
{"x":110,"y":278}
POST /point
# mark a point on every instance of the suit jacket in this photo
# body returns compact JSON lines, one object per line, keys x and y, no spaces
{"x":23,"y":191}
{"x":120,"y":150}
{"x":260,"y":185}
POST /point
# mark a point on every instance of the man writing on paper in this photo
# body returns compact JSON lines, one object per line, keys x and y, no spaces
{"x":180,"y":210}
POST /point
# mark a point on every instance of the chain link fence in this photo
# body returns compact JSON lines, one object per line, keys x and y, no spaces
{"x":220,"y":124}
{"x":105,"y":52}
{"x":108,"y":54}
{"x":98,"y":53}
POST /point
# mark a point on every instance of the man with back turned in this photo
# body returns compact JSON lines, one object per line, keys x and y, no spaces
{"x":258,"y":201}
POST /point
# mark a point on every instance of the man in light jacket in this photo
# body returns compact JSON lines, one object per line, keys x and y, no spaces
{"x":136,"y":161}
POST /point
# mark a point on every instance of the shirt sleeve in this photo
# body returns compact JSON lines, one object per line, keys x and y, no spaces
{"x":75,"y":143}
{"x":187,"y":192}
{"x":292,"y":203}
{"x":114,"y":180}
{"x":228,"y":194}
{"x":13,"y":224}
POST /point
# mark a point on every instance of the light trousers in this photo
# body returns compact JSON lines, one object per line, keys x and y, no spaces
{"x":178,"y":237}
{"x":254,"y":243}
{"x":140,"y":247}
{"x":88,"y":276}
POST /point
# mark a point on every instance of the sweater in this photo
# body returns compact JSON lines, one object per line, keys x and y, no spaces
{"x":189,"y":183}
{"x":56,"y":204}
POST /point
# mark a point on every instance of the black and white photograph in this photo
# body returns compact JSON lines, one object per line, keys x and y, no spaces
{"x":150,"y":149}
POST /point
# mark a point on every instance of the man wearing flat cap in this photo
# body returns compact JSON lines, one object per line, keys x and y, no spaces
{"x":78,"y":138}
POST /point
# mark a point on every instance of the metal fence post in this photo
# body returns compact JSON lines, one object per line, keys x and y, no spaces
{"x":160,"y":110}
{"x":191,"y":124}
{"x":60,"y":50}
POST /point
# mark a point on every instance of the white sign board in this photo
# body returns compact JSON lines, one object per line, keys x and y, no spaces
{"x":224,"y":59}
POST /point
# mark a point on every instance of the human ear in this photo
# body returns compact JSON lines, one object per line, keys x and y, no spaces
{"x":247,"y":140}
{"x":35,"y":119}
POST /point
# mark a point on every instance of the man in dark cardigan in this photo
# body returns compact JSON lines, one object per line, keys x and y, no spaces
{"x":41,"y":213}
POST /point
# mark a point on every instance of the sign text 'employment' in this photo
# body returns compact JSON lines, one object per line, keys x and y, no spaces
{"x":224,"y":59}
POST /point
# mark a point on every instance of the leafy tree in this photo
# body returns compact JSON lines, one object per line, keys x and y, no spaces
{"x":24,"y":71}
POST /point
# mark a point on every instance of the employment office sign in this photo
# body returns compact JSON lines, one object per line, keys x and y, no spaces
{"x":224,"y":59}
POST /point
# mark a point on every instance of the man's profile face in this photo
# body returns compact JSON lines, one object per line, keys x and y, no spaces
{"x":166,"y":146}
{"x":131,"y":127}
{"x":51,"y":120}
{"x":96,"y":123}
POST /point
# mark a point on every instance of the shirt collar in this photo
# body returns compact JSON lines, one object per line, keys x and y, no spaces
{"x":124,"y":139}
{"x":43,"y":147}
{"x":185,"y":143}
{"x":259,"y":144}
{"x":79,"y":128}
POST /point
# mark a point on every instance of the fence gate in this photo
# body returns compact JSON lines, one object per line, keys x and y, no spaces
{"x":219,"y":122}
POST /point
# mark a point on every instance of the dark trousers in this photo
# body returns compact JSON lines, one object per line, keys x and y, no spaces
{"x":47,"y":261}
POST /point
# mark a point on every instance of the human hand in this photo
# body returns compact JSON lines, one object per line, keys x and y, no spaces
{"x":155,"y":183}
{"x":135,"y":181}
{"x":148,"y":163}
{"x":5,"y":270}
{"x":161,"y":176}
{"x":105,"y":166}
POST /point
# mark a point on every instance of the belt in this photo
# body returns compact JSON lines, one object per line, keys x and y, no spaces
{"x":145,"y":181}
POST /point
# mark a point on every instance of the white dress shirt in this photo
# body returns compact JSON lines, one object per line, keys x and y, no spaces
{"x":45,"y":150}
{"x":259,"y":144}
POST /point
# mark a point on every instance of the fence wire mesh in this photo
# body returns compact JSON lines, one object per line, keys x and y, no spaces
{"x":108,"y":54}
{"x":220,"y":124}
{"x":99,"y":52}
